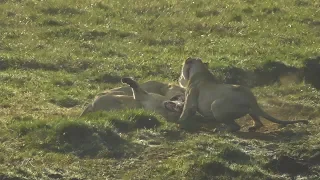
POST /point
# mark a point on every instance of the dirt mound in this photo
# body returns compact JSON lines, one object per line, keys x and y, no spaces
{"x":289,"y":165}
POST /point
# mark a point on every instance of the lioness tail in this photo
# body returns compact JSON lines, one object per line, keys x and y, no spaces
{"x":138,"y":92}
{"x":262,"y":113}
{"x":130,"y":82}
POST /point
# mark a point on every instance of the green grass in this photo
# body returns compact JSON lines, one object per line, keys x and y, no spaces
{"x":56,"y":55}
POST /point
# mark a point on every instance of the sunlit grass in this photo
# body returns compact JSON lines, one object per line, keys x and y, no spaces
{"x":57,"y":55}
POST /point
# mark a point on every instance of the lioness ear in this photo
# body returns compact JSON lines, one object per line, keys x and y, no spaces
{"x":188,"y":60}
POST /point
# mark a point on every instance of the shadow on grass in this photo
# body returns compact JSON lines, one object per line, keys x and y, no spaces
{"x":66,"y":102}
{"x":71,"y":67}
{"x":100,"y":134}
{"x":286,"y":164}
{"x":269,"y":73}
{"x":82,"y":140}
{"x":283,"y":135}
{"x":200,"y":124}
{"x":209,"y":170}
{"x":215,"y":169}
{"x":96,"y":138}
{"x":7,"y":177}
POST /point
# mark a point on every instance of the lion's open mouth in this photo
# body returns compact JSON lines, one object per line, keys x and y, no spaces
{"x":174,"y":106}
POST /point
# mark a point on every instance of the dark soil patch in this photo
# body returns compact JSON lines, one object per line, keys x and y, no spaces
{"x":234,"y":155}
{"x":108,"y":78}
{"x":3,"y":65}
{"x":69,"y":66}
{"x":121,"y":34}
{"x":148,"y":122}
{"x":271,"y":10}
{"x":84,"y":140}
{"x":7,"y":177}
{"x":172,"y":135}
{"x":66,"y":102}
{"x":302,"y":3}
{"x":91,"y":35}
{"x":5,"y":106}
{"x":270,"y":73}
{"x":51,"y":22}
{"x":38,"y":65}
{"x":310,"y":21}
{"x":312,"y":71}
{"x":247,"y":10}
{"x":122,"y":126}
{"x":103,"y":6}
{"x":315,"y":158}
{"x":55,"y":176}
{"x":75,"y":179}
{"x":209,"y":170}
{"x":289,"y":165}
{"x":256,"y":135}
{"x":63,"y":32}
{"x":237,"y":18}
{"x":288,"y":134}
{"x":112,"y":53}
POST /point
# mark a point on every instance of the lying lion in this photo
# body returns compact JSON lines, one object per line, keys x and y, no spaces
{"x":167,"y":90}
{"x":118,"y":98}
{"x":222,"y":102}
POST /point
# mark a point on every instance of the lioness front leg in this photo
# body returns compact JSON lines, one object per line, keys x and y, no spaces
{"x":190,"y":106}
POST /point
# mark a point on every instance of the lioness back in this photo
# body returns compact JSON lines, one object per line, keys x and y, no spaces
{"x":168,"y":90}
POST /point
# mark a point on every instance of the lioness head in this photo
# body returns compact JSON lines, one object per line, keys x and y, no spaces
{"x":175,"y":104}
{"x":189,"y":67}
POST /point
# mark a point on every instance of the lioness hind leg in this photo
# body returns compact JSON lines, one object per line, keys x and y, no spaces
{"x":227,"y":111}
{"x":257,"y":123}
{"x":138,"y":93}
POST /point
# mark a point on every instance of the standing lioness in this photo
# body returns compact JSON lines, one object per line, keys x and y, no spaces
{"x":223,"y":102}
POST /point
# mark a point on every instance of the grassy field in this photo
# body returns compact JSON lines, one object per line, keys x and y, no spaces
{"x":56,"y":55}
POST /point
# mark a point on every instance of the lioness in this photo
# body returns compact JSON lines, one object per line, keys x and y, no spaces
{"x":140,"y":99}
{"x":108,"y":102}
{"x":223,"y":102}
{"x":169,"y":109}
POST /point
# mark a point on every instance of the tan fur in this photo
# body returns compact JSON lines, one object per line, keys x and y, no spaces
{"x":222,"y":102}
{"x":167,"y":90}
{"x":108,"y":102}
{"x":111,"y":100}
{"x":152,"y":101}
